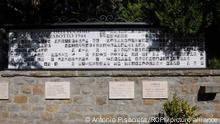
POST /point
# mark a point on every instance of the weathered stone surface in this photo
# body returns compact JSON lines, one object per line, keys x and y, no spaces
{"x":215,"y":72}
{"x":77,"y":100}
{"x":206,"y":108}
{"x":4,"y":115}
{"x":94,"y":73}
{"x":52,"y":108}
{"x":61,"y":116}
{"x":87,"y":90}
{"x":189,"y":89}
{"x":29,"y":122}
{"x":38,"y":108}
{"x":26,"y":89}
{"x":3,"y":107}
{"x":20,"y":99}
{"x":216,"y":115}
{"x":150,"y":101}
{"x":101,"y":100}
{"x":38,"y":89}
{"x":36,"y":99}
{"x":89,"y":95}
{"x":125,"y":73}
{"x":14,"y":115}
{"x":88,"y":100}
{"x":26,"y":107}
{"x":67,"y":101}
{"x":75,"y":88}
{"x":13,"y":107}
{"x":75,"y":116}
{"x":38,"y":74}
{"x":65,"y":108}
{"x":217,"y":108}
{"x":63,"y":73}
{"x":109,"y":108}
{"x":27,"y":115}
{"x":46,"y":116}
{"x":13,"y":73}
{"x":101,"y":86}
{"x":212,"y":89}
{"x":15,"y":122}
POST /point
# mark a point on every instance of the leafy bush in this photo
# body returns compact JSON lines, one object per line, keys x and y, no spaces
{"x":133,"y":12}
{"x":214,"y":63}
{"x":180,"y":16}
{"x":179,"y":108}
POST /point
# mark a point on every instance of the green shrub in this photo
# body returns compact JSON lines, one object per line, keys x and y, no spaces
{"x":214,"y":63}
{"x":133,"y":12}
{"x":180,"y":16}
{"x":180,"y":108}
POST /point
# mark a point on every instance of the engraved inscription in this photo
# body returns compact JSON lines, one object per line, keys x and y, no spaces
{"x":121,"y":90}
{"x":4,"y":90}
{"x":104,"y":48}
{"x":155,"y":89}
{"x":57,"y":90}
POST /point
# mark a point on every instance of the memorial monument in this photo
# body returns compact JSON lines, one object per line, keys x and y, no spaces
{"x":67,"y":73}
{"x":122,"y":47}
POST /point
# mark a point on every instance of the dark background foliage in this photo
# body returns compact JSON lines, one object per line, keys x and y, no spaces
{"x":48,"y":11}
{"x":179,"y":16}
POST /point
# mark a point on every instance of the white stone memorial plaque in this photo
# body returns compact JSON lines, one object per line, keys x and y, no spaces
{"x":121,"y":90}
{"x":57,"y":90}
{"x":4,"y":90}
{"x":155,"y":89}
{"x":103,"y":48}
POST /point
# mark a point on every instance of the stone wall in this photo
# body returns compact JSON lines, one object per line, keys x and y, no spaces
{"x":89,"y":95}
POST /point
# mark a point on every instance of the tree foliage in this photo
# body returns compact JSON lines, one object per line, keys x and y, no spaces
{"x":180,"y":15}
{"x":48,"y":11}
{"x":214,"y":63}
{"x":133,"y":11}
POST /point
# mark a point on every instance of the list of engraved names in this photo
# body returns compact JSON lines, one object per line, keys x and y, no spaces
{"x":103,"y":48}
